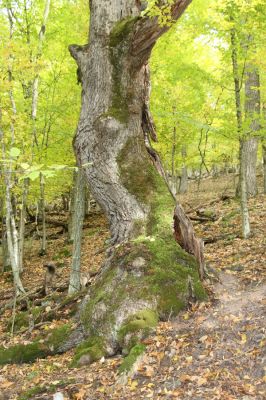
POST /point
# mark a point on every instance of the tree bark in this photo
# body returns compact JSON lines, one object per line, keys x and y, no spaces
{"x":146,"y":276}
{"x":184,"y":175}
{"x":244,"y":193}
{"x":78,"y":218}
{"x":242,"y":185}
{"x":22,"y":222}
{"x":252,"y":115}
{"x":264,"y":166}
{"x":43,"y":215}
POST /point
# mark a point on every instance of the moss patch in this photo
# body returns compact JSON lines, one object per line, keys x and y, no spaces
{"x":22,"y":318}
{"x":43,"y":389}
{"x":142,"y":321}
{"x":22,"y":353}
{"x":93,"y":349}
{"x":130,"y":360}
{"x":137,"y":173}
{"x":38,"y":349}
{"x":121,"y":31}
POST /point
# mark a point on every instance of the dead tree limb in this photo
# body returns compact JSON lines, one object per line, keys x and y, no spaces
{"x":186,"y":238}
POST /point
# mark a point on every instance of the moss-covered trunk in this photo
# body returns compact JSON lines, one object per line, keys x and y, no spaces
{"x":147,"y":276}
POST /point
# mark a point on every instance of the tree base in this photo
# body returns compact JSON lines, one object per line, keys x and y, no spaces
{"x":146,"y":280}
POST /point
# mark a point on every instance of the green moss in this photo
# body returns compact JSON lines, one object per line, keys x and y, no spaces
{"x":143,"y":321}
{"x":43,"y":389}
{"x":57,"y":337}
{"x":100,"y":293}
{"x":130,"y":360}
{"x":38,"y":349}
{"x":32,"y":392}
{"x":22,"y":318}
{"x":137,"y":173}
{"x":121,"y":31}
{"x":169,"y":272}
{"x":22,"y":353}
{"x":93,"y":348}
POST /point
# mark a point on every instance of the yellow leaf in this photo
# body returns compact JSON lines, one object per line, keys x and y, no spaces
{"x":243,"y":338}
{"x":133,"y":385}
{"x":201,"y":381}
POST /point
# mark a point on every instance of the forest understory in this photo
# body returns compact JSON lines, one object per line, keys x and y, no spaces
{"x":214,"y":350}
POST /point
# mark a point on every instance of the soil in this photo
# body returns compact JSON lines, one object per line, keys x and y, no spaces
{"x":214,"y":350}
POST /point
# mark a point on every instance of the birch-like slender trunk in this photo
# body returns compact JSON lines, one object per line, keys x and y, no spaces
{"x":22,"y":220}
{"x":243,"y":193}
{"x":43,"y":215}
{"x":252,"y":116}
{"x":5,"y":254}
{"x":242,"y":154}
{"x":11,"y":230}
{"x":184,"y":175}
{"x":78,"y":218}
{"x":35,"y":85}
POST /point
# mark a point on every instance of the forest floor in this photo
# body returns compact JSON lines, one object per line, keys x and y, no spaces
{"x":215,"y":350}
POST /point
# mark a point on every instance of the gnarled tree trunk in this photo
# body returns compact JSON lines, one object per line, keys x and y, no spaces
{"x":147,"y":275}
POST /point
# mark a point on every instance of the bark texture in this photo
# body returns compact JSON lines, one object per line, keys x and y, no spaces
{"x":147,"y":276}
{"x":78,"y":217}
{"x":252,"y":115}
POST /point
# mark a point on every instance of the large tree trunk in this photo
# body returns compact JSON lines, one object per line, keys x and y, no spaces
{"x":147,"y":276}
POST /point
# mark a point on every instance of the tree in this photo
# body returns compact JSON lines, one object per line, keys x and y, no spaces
{"x":76,"y":228}
{"x":146,"y":276}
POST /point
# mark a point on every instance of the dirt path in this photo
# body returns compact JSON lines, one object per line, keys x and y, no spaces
{"x":217,"y":353}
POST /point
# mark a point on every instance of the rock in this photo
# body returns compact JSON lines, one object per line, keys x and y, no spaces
{"x":58,"y":396}
{"x":139,"y":262}
{"x":84,"y":360}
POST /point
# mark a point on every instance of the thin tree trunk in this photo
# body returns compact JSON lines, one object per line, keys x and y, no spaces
{"x":35,"y":85}
{"x":11,"y":230}
{"x":22,"y":222}
{"x":244,"y":194}
{"x":78,"y":218}
{"x":72,"y":207}
{"x":184,"y":175}
{"x":5,"y":254}
{"x":242,"y":155}
{"x":43,"y":215}
{"x":264,"y":166}
{"x":252,"y":115}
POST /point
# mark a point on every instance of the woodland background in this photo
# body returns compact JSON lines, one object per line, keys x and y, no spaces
{"x":44,"y":203}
